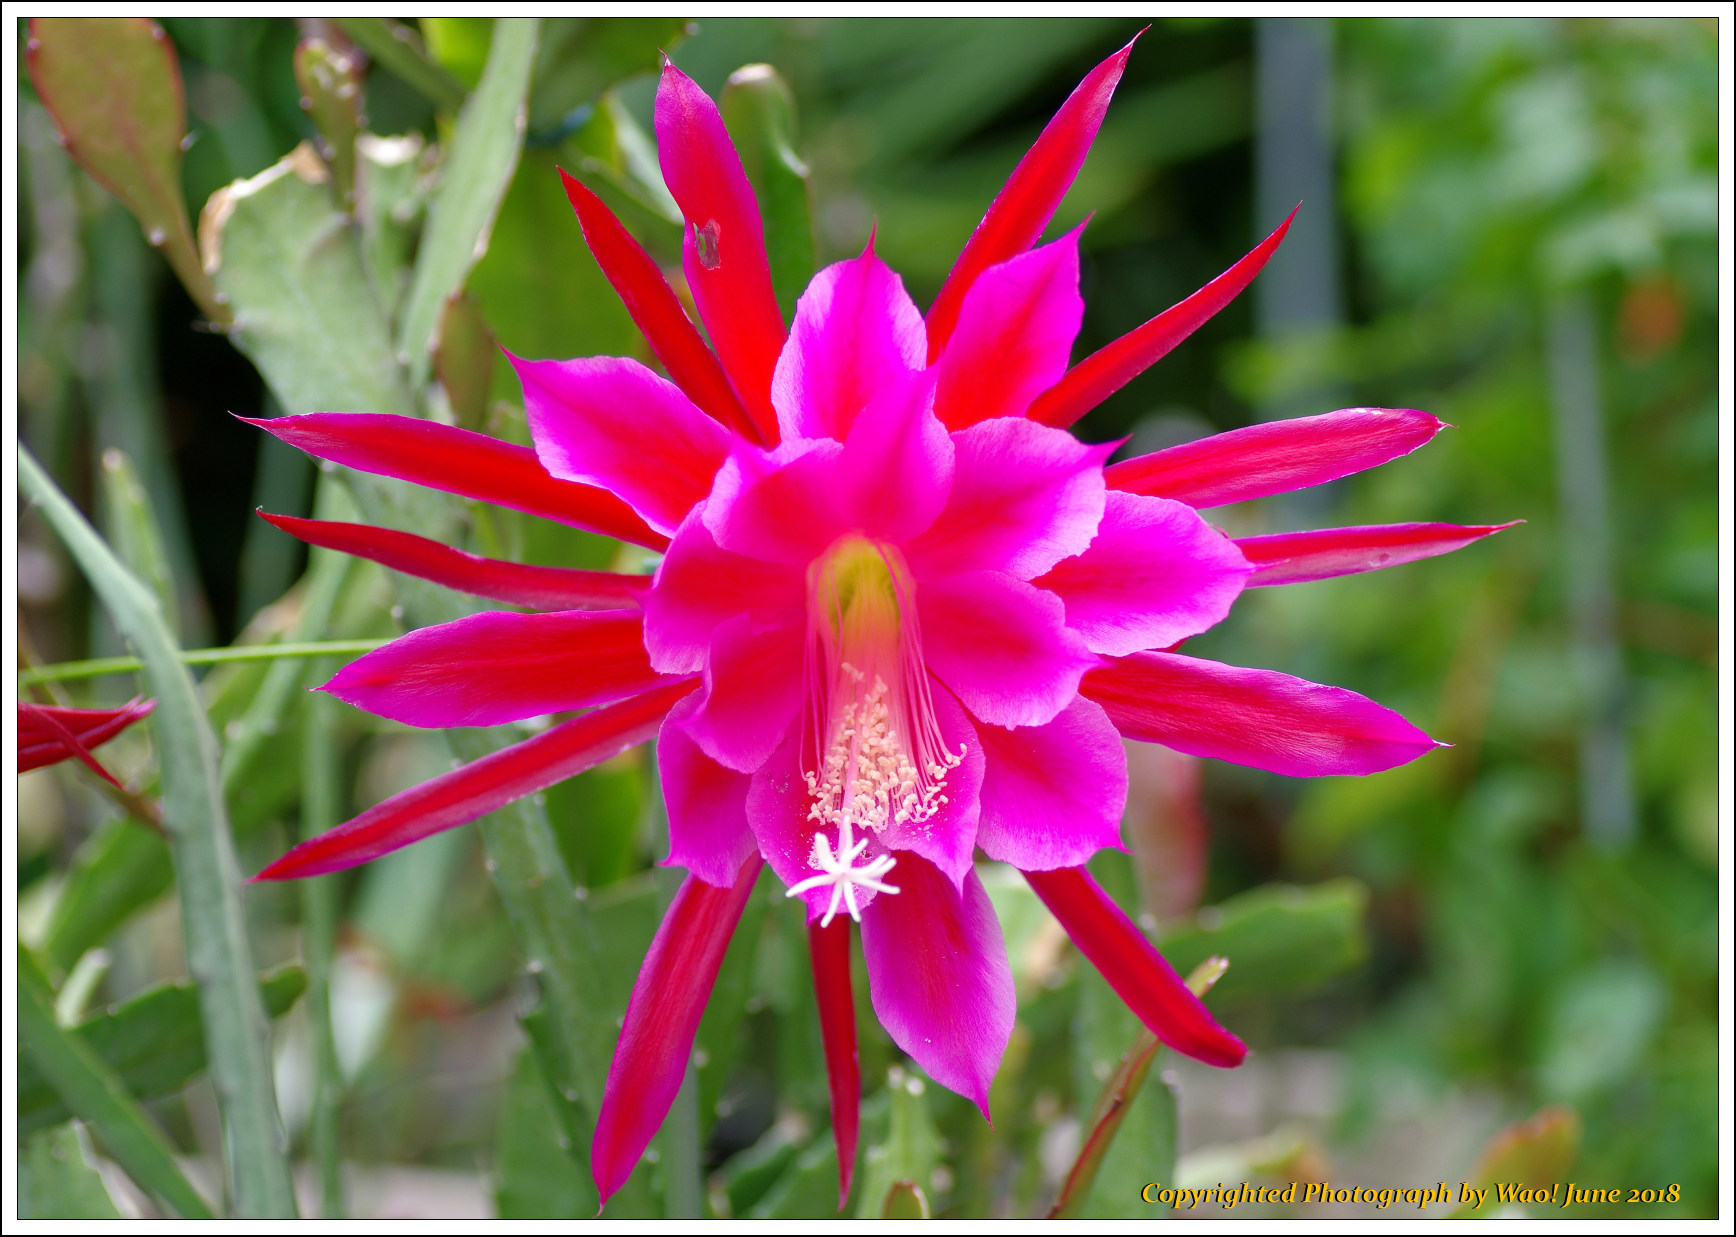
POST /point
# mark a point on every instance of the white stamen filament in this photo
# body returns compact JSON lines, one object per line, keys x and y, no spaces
{"x":879,"y":759}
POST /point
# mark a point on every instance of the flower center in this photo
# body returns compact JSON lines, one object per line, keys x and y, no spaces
{"x":874,"y":757}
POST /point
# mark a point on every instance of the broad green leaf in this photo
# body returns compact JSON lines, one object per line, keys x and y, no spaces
{"x":464,"y":358}
{"x":760,"y":112}
{"x":134,"y":531}
{"x":538,"y":284}
{"x":391,"y":198}
{"x":459,"y":45}
{"x":321,"y":798}
{"x":397,"y":48}
{"x":152,"y":1042}
{"x":95,"y":1093}
{"x":809,"y":1187}
{"x":331,"y":95}
{"x":1279,"y":939}
{"x":113,"y":87}
{"x":909,"y":1151}
{"x":56,"y":1180}
{"x":578,"y":57}
{"x":747,"y":1175}
{"x":473,"y":180}
{"x":208,"y":876}
{"x":305,"y":311}
{"x":538,"y":1174}
{"x":119,"y":870}
{"x":1535,"y":1152}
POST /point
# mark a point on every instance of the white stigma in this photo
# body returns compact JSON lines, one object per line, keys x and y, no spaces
{"x":839,"y":871}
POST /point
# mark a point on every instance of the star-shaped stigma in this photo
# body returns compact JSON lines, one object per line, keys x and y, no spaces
{"x":837,"y":870}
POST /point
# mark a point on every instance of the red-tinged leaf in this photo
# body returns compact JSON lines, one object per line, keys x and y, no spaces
{"x":518,"y":584}
{"x":1249,"y":717}
{"x":662,"y":1018}
{"x":478,"y":788}
{"x":657,"y":312}
{"x":1119,"y":1092}
{"x":113,"y":87}
{"x":723,"y":250}
{"x":1294,"y":558}
{"x":457,"y":461}
{"x":1275,"y":457}
{"x":829,"y":952}
{"x":68,"y":743}
{"x":1024,"y":206}
{"x":1133,"y":967}
{"x":1114,"y":365}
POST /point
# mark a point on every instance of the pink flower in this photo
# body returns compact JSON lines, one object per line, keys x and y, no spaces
{"x":902,"y":616}
{"x":48,"y":734}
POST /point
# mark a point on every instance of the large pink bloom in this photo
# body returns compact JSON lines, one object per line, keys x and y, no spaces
{"x":903,"y":614}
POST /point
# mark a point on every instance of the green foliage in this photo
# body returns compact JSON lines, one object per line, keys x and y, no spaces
{"x":1444,"y":929}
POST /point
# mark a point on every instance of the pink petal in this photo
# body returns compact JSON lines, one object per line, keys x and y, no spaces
{"x":723,"y":253}
{"x":500,"y":666}
{"x":1018,"y":215}
{"x":1293,"y":558}
{"x":856,"y":329}
{"x":657,"y":313}
{"x":753,"y":688}
{"x":1155,"y":574}
{"x":1014,"y":337}
{"x":1275,"y":457}
{"x":1052,"y":794}
{"x":613,"y":423}
{"x":699,"y":586}
{"x":519,"y":584}
{"x":1024,"y":497}
{"x":478,"y":788}
{"x":662,"y":1018}
{"x":829,"y":952}
{"x":706,"y":803}
{"x":896,"y":470}
{"x":1138,"y":973}
{"x":777,"y":505}
{"x":1114,"y":365}
{"x":938,"y":975}
{"x":1002,"y":646}
{"x":1252,"y":717}
{"x":457,"y":461}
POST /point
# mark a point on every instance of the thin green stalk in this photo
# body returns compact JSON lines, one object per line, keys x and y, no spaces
{"x":94,"y":1092}
{"x":319,"y":913}
{"x":97,"y":667}
{"x":237,"y":1034}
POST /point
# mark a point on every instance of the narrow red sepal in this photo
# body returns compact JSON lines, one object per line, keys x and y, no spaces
{"x":1024,"y":206}
{"x":657,"y":312}
{"x":461,"y":462}
{"x":1133,"y":967}
{"x":478,"y":788}
{"x":1114,"y":365}
{"x":518,"y":584}
{"x":1319,"y":554}
{"x":662,"y":1018}
{"x":1275,"y":457}
{"x":829,"y":952}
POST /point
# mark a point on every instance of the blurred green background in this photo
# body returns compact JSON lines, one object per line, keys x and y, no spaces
{"x":1510,"y":224}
